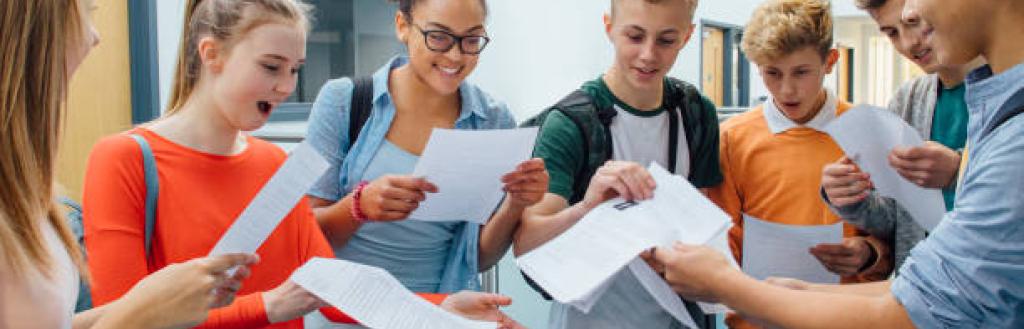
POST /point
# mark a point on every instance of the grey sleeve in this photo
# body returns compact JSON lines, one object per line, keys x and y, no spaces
{"x":876,"y":214}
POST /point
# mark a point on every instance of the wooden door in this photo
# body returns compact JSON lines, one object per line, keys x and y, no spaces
{"x":713,"y":69}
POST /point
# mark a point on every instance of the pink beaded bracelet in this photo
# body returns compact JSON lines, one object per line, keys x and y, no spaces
{"x":357,"y":211}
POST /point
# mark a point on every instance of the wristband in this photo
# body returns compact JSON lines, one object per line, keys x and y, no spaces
{"x":356,"y":209}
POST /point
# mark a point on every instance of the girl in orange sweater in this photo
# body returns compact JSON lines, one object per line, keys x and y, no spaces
{"x":239,"y":59}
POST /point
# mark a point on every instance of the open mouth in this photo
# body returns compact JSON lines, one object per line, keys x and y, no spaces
{"x":265,"y":107}
{"x":922,"y":55}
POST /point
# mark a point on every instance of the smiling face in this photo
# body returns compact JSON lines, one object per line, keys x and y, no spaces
{"x":257,"y":74}
{"x":905,"y":35}
{"x":442,"y":71}
{"x":647,"y":38}
{"x":952,"y":41}
{"x":794,"y":81}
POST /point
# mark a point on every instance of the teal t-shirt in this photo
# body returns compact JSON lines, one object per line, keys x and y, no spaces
{"x":949,"y":127}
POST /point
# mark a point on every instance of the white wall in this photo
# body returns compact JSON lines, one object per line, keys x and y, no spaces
{"x":170,"y":16}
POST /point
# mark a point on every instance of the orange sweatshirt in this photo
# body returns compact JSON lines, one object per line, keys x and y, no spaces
{"x":776,"y":176}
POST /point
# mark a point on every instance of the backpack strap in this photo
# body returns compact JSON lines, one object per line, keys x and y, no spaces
{"x":152,"y":190}
{"x":360,"y":108}
{"x":1011,"y":108}
{"x":673,"y":137}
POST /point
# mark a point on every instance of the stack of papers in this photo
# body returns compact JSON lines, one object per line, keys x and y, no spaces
{"x":375,"y":298}
{"x":575,"y":267}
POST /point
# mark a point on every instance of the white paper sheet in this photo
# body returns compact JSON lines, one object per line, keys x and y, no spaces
{"x":780,"y":250}
{"x":571,"y":266}
{"x":661,"y":291}
{"x":721,"y":244}
{"x":375,"y":298}
{"x":277,"y":198}
{"x":466,"y":166}
{"x":867,"y":135}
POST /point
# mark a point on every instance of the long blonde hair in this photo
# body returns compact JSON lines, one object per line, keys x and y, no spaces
{"x":34,"y":39}
{"x":226,"y":21}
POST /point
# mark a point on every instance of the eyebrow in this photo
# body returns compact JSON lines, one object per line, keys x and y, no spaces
{"x":660,"y":33}
{"x":446,"y":28}
{"x":282,"y":58}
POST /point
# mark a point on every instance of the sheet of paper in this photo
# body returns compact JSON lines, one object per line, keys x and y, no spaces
{"x":375,"y":298}
{"x":277,"y":198}
{"x":661,"y":291}
{"x":571,"y":266}
{"x":867,"y":135}
{"x":587,"y":302}
{"x":721,"y":244}
{"x":780,"y":250}
{"x":466,"y":166}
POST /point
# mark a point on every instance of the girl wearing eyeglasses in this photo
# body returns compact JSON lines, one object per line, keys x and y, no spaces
{"x":364,"y":200}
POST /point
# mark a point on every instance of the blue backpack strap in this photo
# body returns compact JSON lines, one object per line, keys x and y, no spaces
{"x":152,"y":189}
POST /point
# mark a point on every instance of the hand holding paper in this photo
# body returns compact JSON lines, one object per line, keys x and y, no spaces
{"x":467,"y":167}
{"x":375,"y":298}
{"x":867,"y":135}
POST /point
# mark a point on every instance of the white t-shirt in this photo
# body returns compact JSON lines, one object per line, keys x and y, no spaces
{"x":641,"y":138}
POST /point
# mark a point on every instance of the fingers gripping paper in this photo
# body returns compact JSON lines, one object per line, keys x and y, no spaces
{"x":867,"y":135}
{"x":374,"y":297}
{"x":578,"y":262}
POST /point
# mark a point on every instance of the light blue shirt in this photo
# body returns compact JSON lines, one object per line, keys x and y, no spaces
{"x":328,"y":133}
{"x":969,"y":273}
{"x":413,"y":251}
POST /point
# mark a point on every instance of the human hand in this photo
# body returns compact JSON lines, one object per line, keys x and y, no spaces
{"x":844,"y":183}
{"x":931,"y":165}
{"x":393,"y":197}
{"x":846,"y":258}
{"x":692,"y":271}
{"x":181,"y":294}
{"x":628,"y":180}
{"x":527,"y":184}
{"x":480,"y":306}
{"x":289,"y":301}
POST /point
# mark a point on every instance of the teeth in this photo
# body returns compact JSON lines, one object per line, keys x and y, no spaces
{"x":449,"y":70}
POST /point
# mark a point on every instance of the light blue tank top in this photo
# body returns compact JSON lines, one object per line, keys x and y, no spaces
{"x":415,"y":252}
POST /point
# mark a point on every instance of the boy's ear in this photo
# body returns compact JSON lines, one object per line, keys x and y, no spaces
{"x":607,"y":25}
{"x":830,"y":60}
{"x":210,"y":54}
{"x":689,"y":34}
{"x":401,"y":27}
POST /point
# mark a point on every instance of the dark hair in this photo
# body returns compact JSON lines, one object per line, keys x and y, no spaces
{"x":870,"y":4}
{"x":406,"y":6}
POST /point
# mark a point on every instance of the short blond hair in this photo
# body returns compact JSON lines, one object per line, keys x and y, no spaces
{"x":690,"y":5}
{"x":780,"y":27}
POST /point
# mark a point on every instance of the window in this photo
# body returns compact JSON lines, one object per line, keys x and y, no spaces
{"x":349,"y":38}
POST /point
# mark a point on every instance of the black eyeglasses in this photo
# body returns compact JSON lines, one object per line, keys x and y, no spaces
{"x":442,"y":41}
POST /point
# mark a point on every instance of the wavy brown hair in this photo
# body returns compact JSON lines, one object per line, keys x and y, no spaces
{"x":35,"y":37}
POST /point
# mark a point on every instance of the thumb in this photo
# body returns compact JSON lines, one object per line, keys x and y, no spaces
{"x":221,"y":263}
